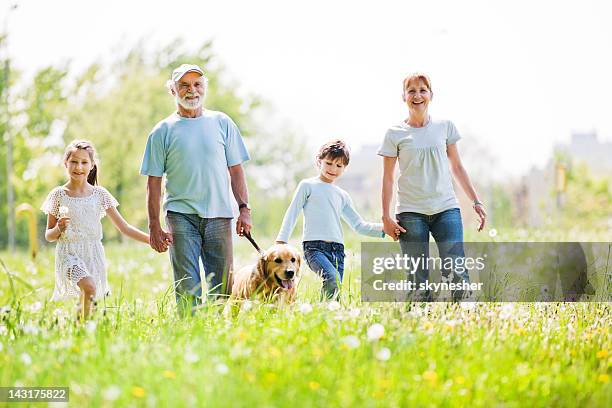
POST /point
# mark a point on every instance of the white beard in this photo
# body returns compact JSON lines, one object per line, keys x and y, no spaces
{"x":188,"y":104}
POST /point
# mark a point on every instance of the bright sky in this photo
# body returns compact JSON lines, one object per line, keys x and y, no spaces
{"x":516,"y":76}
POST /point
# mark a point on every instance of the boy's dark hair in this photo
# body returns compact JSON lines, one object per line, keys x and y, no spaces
{"x":335,"y":149}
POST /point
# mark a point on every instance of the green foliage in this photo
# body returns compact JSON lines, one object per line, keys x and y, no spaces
{"x":587,"y":199}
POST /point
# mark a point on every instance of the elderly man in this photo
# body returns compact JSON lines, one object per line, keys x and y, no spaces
{"x":200,"y":151}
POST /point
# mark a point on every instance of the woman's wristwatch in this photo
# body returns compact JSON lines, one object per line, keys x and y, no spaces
{"x":476,"y":202}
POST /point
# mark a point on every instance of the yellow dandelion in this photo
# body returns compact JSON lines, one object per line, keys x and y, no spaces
{"x":602,"y":354}
{"x":313,"y":385}
{"x":274,"y":352}
{"x":430,"y":376}
{"x":460,"y":380}
{"x":427,"y":326}
{"x":138,"y":392}
{"x":169,"y":374}
{"x":76,"y":349}
{"x":270,"y":378}
{"x":603,"y":378}
{"x":242,"y":335}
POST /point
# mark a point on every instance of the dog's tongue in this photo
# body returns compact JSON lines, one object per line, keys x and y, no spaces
{"x":287,"y":284}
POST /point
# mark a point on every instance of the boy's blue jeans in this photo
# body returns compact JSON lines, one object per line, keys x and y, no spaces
{"x":326,"y":259}
{"x":447,"y":230}
{"x":194,"y":237}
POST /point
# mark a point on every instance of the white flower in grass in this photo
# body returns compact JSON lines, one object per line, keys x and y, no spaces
{"x":25,"y":358}
{"x":383,"y":354}
{"x":30,"y":329}
{"x":305,"y":307}
{"x":5,"y":309}
{"x":222,"y":368}
{"x":191,"y":357}
{"x":333,"y":306}
{"x":354,"y":312}
{"x":375,"y":331}
{"x":492,"y":232}
{"x":90,"y":326}
{"x":451,"y":323}
{"x":111,"y":393}
{"x":507,"y":311}
{"x":36,"y":306}
{"x":246,"y":305}
{"x":351,"y":342}
{"x":468,"y":305}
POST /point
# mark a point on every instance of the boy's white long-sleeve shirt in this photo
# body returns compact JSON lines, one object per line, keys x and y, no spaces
{"x":324,"y":204}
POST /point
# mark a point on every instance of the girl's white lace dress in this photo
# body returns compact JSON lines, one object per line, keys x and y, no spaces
{"x":79,"y":252}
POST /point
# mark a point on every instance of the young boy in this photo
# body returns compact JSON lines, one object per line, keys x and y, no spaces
{"x":324,"y":204}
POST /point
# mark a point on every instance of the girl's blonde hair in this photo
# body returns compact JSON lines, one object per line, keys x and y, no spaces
{"x":416,"y":76}
{"x":92,"y":177}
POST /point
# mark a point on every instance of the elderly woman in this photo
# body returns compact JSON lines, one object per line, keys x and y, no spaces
{"x":426,"y":202}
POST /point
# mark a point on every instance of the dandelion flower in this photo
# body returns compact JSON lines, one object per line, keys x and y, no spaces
{"x":305,"y":308}
{"x":333,"y":306}
{"x":222,"y":368}
{"x":111,"y":393}
{"x":169,"y":374}
{"x":26,"y":359}
{"x":90,"y":326}
{"x":383,"y":354}
{"x":492,"y":232}
{"x":375,"y":331}
{"x":351,"y":342}
{"x":246,"y":305}
{"x":138,"y":392}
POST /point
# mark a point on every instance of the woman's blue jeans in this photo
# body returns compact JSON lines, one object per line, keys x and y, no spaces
{"x":326,"y":259}
{"x":447,"y":230}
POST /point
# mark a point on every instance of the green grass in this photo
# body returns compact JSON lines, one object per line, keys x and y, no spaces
{"x":136,"y":351}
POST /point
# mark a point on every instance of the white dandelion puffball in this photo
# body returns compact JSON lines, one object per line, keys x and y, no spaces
{"x":305,"y":307}
{"x":383,"y":354}
{"x":222,"y":368}
{"x":246,"y":305}
{"x":375,"y":331}
{"x":64,"y":211}
{"x":111,"y":393}
{"x":351,"y":342}
{"x":492,"y":232}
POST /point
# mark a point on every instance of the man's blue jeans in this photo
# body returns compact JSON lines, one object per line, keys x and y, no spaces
{"x":194,"y":237}
{"x":326,"y":259}
{"x":447,"y":230}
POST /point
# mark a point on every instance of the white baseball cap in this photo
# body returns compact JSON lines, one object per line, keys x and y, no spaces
{"x":185,"y":68}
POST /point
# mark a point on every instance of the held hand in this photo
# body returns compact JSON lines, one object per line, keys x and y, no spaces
{"x":392,"y":228}
{"x":159,"y":239}
{"x":480,"y":210}
{"x":63,"y":223}
{"x":243,"y":224}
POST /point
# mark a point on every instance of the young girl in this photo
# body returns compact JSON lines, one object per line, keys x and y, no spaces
{"x":324,"y":204}
{"x":74,"y":211}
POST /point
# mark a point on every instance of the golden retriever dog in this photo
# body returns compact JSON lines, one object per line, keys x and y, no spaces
{"x":274,"y":277}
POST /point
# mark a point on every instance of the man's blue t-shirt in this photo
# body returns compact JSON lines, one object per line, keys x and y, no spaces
{"x":194,"y":154}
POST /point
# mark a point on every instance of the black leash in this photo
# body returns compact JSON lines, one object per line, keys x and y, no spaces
{"x":248,"y":236}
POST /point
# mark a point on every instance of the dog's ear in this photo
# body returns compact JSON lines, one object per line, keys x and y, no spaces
{"x":261,"y":266}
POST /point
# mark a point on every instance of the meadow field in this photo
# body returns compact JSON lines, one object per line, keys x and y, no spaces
{"x":137,"y":352}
